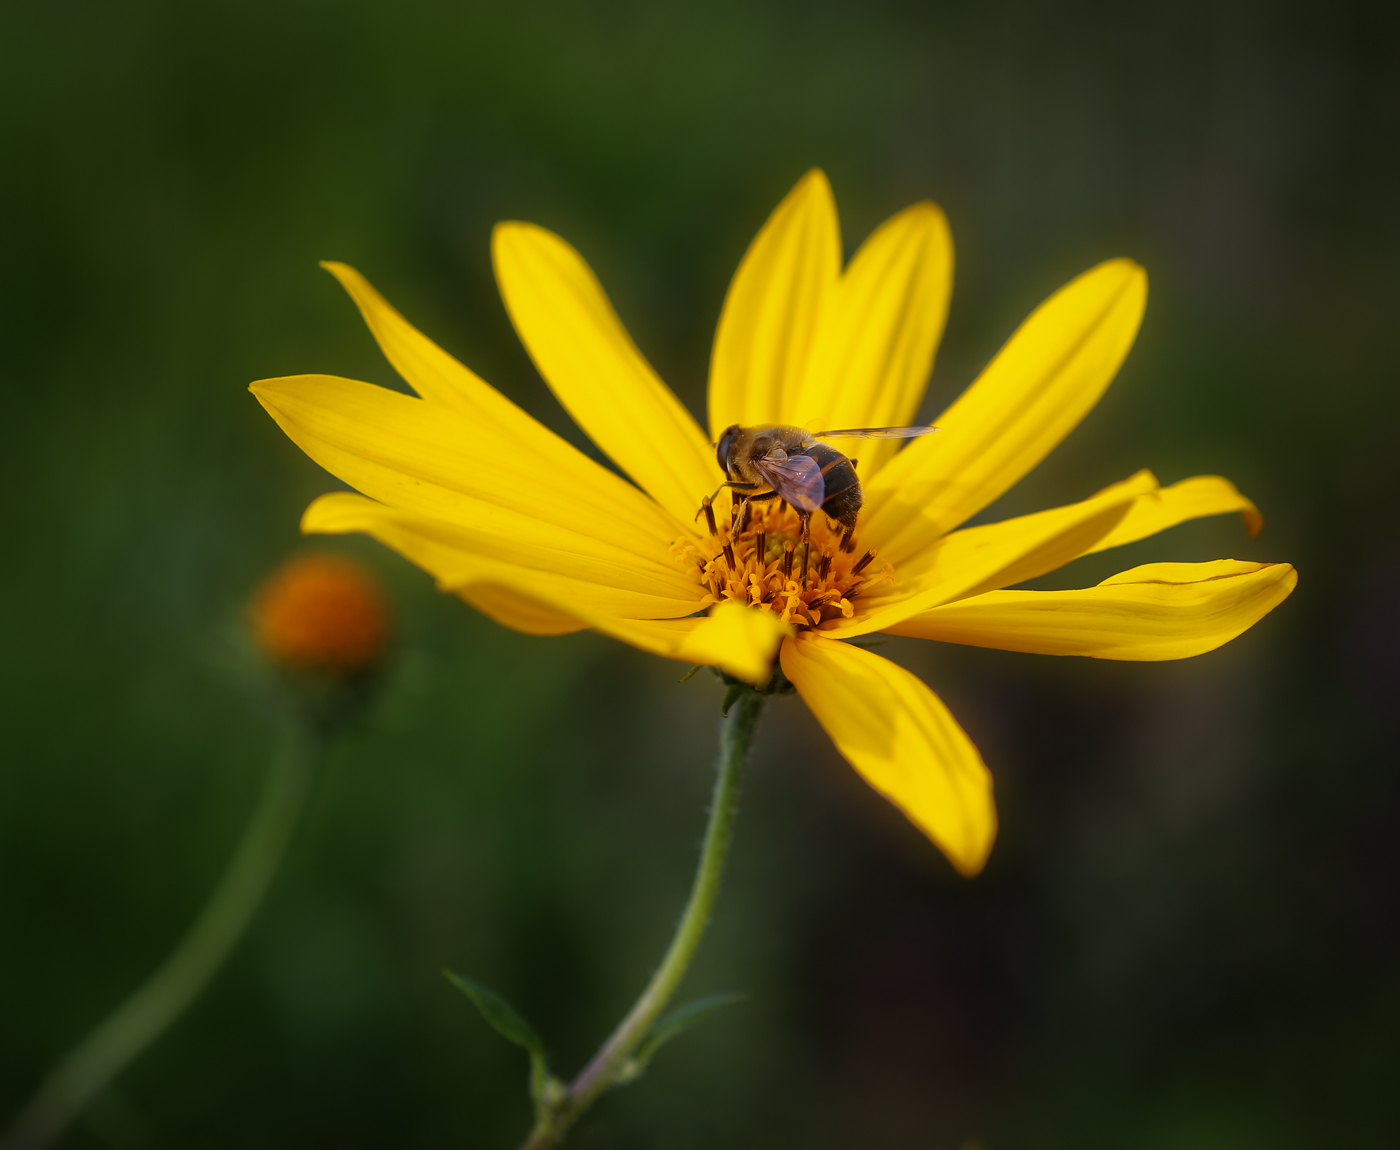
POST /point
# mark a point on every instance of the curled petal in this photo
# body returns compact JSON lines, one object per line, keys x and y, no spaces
{"x":903,"y":741}
{"x":573,"y":335}
{"x":994,"y":555}
{"x":1167,"y":506}
{"x":1160,"y":611}
{"x":736,"y":639}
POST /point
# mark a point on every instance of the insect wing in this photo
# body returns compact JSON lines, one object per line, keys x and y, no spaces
{"x":875,"y":433}
{"x":798,"y":479}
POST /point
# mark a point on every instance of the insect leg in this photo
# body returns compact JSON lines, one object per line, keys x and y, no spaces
{"x":707,"y":506}
{"x":721,"y":487}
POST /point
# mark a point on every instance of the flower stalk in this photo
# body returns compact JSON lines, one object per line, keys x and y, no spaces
{"x":614,"y":1064}
{"x":146,"y":1014}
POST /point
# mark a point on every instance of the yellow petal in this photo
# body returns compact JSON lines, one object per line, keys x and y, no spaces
{"x":1160,"y":611}
{"x":1040,"y":385}
{"x":441,"y":379}
{"x":579,"y":345}
{"x":745,"y":653}
{"x":737,"y":639}
{"x":424,"y":458}
{"x":901,"y":738}
{"x":734,"y":638}
{"x":875,"y":346}
{"x":1190,"y":499}
{"x":511,"y":609}
{"x":337,"y":515}
{"x":483,"y":431}
{"x":565,"y":570}
{"x":770,"y":313}
{"x":995,"y":555}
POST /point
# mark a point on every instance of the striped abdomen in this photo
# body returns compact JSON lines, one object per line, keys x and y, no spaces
{"x":842,"y":492}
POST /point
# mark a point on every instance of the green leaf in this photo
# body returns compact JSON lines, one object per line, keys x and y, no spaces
{"x":509,"y":1024}
{"x":678,"y":1022}
{"x":502,"y":1016}
{"x":732,"y":696}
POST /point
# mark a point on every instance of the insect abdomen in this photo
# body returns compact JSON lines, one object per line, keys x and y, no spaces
{"x":843,"y":497}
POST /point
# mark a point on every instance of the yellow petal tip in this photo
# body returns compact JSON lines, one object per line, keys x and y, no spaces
{"x":971,"y":863}
{"x":504,"y":229}
{"x":904,"y":742}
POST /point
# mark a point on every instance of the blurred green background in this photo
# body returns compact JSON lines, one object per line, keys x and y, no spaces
{"x":1187,"y":935}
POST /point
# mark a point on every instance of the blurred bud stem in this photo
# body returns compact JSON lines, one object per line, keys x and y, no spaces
{"x":615,"y":1063}
{"x":143,"y":1017}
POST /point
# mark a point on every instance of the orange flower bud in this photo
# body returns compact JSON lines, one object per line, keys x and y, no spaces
{"x":322,"y":612}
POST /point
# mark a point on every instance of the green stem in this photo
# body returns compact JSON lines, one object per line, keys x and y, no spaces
{"x":143,"y":1017}
{"x":611,"y":1065}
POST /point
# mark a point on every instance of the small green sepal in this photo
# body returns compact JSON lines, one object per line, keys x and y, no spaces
{"x":695,"y":670}
{"x":732,"y":696}
{"x":674,"y":1024}
{"x":508,"y":1022}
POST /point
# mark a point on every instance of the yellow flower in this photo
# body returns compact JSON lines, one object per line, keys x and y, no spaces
{"x":535,"y":534}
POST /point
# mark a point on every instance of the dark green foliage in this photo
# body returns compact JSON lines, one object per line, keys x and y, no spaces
{"x":508,"y":1023}
{"x":677,"y":1023}
{"x":502,"y":1016}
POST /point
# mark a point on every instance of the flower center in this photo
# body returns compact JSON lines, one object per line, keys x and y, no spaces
{"x":756,"y":554}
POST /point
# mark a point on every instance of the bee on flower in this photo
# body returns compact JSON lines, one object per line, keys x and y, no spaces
{"x":536,"y":535}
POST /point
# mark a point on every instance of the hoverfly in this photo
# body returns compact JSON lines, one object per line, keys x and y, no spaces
{"x":795,"y":466}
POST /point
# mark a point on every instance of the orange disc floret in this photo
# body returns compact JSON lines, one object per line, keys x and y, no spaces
{"x":322,"y":612}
